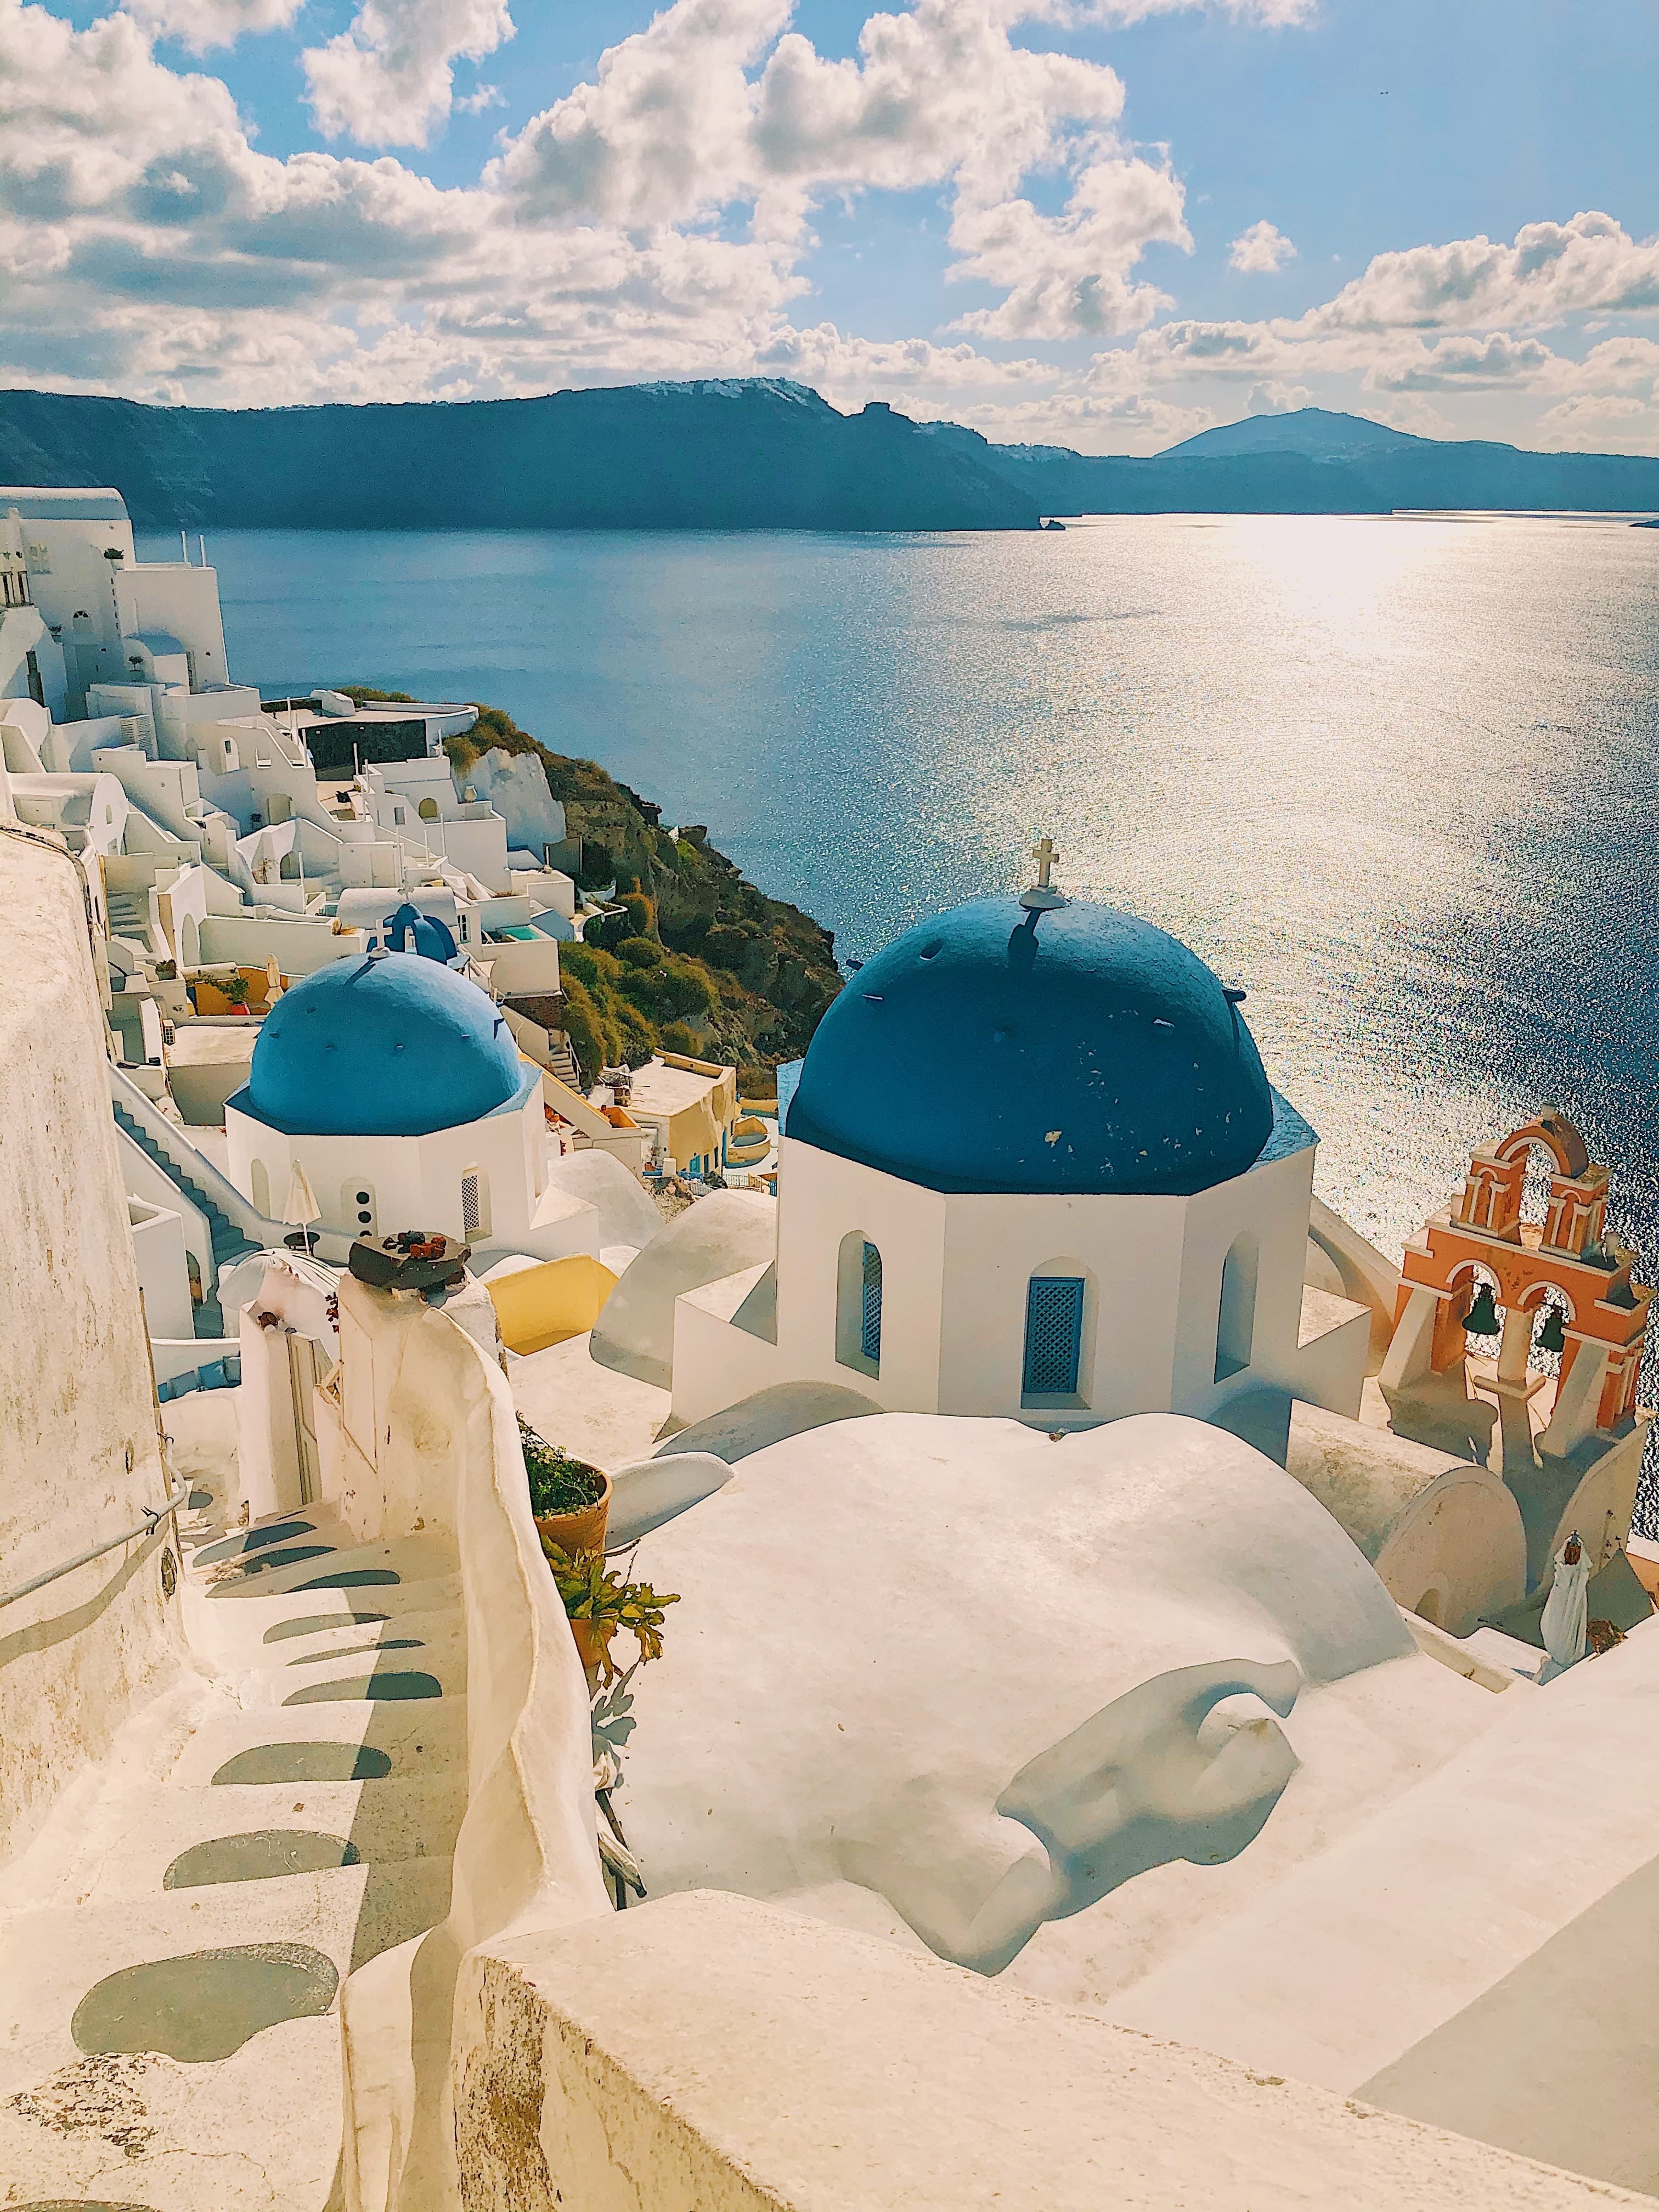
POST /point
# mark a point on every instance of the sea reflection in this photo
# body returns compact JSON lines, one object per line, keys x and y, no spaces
{"x":1396,"y":776}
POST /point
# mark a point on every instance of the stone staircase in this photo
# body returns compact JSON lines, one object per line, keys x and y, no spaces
{"x":229,"y":1244}
{"x":129,"y":914}
{"x":562,"y":1061}
{"x":173,"y":1945}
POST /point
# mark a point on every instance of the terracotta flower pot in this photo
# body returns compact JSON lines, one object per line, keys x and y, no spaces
{"x":577,"y":1532}
{"x":593,"y":1648}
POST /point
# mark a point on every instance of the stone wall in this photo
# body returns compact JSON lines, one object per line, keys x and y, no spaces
{"x":80,"y":1457}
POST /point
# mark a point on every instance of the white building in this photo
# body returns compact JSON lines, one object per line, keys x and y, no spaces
{"x":1034,"y":1167}
{"x":111,"y":618}
{"x":396,"y":1084}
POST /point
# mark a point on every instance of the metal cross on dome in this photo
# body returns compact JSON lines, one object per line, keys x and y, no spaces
{"x":1042,"y":894}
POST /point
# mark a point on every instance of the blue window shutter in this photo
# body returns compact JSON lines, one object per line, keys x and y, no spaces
{"x":870,"y":1327}
{"x":1054,"y":1335}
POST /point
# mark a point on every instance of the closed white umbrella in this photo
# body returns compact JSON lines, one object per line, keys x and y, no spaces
{"x":1566,"y":1611}
{"x":301,"y":1209}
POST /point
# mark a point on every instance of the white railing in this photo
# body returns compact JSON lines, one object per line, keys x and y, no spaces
{"x":190,"y":1161}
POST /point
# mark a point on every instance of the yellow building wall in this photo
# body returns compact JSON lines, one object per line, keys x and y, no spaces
{"x":539,"y":1306}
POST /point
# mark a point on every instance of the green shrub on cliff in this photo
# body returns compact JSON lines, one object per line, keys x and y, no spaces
{"x":698,"y":961}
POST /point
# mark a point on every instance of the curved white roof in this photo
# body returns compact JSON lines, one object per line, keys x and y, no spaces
{"x":63,"y":503}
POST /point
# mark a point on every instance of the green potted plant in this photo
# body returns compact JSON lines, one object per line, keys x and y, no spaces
{"x":598,"y":1601}
{"x":570,"y":1500}
{"x":234,"y":992}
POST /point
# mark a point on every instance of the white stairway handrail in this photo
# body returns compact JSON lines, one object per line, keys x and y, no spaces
{"x":209,"y":1179}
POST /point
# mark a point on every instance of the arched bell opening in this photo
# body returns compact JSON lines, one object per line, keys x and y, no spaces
{"x":1549,"y":1312}
{"x":1475,"y":1299}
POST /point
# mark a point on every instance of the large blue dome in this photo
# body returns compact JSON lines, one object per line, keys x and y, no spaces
{"x":392,"y":1046}
{"x":1068,"y":1051}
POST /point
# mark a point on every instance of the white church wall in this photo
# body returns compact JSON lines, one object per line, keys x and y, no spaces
{"x":823,"y":1199}
{"x":1127,"y":1251}
{"x":716,"y":1363}
{"x":1333,"y":1354}
{"x":413,"y":1182}
{"x":1268,"y":1203}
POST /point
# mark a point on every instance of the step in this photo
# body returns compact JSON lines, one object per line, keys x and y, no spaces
{"x":167,"y":1838}
{"x":50,"y":1958}
{"x":398,"y":1741}
{"x":391,"y":1677}
{"x":290,"y":1645}
{"x":199,"y":2089}
{"x":387,"y":1566}
{"x":258,"y":2132}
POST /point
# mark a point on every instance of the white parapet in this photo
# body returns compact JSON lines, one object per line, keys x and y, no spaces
{"x":710,"y":2054}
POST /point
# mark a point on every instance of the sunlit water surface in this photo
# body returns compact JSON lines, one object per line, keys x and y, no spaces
{"x":1400,"y":777}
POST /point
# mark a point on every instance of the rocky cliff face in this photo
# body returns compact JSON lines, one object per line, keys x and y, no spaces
{"x":700,"y":960}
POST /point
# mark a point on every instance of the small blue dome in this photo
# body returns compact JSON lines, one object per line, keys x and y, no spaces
{"x":1071,"y":1051}
{"x":410,"y":931}
{"x":393,"y":1047}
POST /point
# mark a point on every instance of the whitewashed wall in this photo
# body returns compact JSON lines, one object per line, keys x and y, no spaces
{"x":80,"y":1458}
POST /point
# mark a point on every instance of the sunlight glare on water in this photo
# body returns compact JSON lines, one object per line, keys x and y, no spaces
{"x":1398,"y":777}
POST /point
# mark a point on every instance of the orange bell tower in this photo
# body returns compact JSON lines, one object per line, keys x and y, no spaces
{"x":1481,"y":1239}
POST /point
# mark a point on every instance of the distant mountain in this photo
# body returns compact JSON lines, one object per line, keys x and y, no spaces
{"x":745,"y":453}
{"x":1314,"y":431}
{"x":1315,"y":462}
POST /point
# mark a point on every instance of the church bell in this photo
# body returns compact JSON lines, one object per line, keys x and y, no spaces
{"x":1552,"y":1336}
{"x":1482,"y":1319}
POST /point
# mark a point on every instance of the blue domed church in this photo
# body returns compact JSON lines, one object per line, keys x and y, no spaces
{"x":396,"y":1084}
{"x":1033,"y":1166}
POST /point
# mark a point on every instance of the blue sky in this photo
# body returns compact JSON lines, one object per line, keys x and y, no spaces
{"x":1104,"y":222}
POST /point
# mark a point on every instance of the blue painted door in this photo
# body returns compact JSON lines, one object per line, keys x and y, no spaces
{"x":1054,"y":1335}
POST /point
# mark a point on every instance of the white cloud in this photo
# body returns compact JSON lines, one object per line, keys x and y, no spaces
{"x":388,"y":79}
{"x":1599,"y":423}
{"x":1551,"y":271}
{"x":1261,"y":250}
{"x":202,"y":25}
{"x":715,"y":105}
{"x":481,"y":97}
{"x":657,"y":221}
{"x":1467,"y":363}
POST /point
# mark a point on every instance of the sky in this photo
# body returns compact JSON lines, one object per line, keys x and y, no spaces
{"x":1101,"y":223}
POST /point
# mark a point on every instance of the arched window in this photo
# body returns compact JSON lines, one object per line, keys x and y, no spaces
{"x":475,"y":1204}
{"x":858,"y":1304}
{"x":1234,"y":1334}
{"x":261,"y":1181}
{"x":1054,"y":1336}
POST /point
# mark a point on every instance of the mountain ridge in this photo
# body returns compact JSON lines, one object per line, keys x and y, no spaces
{"x":739,"y":454}
{"x":720,"y":454}
{"x":1362,"y":468}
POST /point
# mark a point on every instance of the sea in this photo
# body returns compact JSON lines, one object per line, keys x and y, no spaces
{"x":1397,"y":776}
